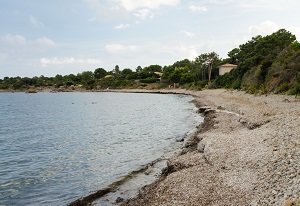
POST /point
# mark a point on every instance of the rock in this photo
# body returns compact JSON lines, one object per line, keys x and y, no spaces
{"x":201,"y":147}
{"x":31,"y":91}
{"x":203,"y":109}
{"x":119,"y":199}
{"x":221,"y":108}
{"x":180,"y":138}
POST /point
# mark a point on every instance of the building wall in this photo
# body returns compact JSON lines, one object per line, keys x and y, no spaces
{"x":224,"y":70}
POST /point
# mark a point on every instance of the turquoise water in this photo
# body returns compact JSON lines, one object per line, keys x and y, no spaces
{"x":57,"y":147}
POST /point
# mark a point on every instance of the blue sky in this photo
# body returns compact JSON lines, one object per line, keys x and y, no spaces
{"x":62,"y":37}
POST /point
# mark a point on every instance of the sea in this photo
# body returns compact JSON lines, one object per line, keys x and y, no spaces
{"x":58,"y":147}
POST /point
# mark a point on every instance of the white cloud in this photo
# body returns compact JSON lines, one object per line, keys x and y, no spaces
{"x":13,"y":40}
{"x":18,"y":41}
{"x":144,"y":14}
{"x":121,"y":8}
{"x":269,"y":27}
{"x":45,"y":62}
{"x":188,"y":34}
{"x":295,"y":30}
{"x":33,"y":21}
{"x":45,"y":42}
{"x":262,"y":4}
{"x":122,"y":26}
{"x":264,"y":28}
{"x":131,"y":5}
{"x":105,"y":9}
{"x":244,"y":4}
{"x":119,"y":48}
{"x":198,"y":8}
{"x":182,"y":50}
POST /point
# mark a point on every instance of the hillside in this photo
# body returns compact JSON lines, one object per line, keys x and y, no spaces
{"x":265,"y":64}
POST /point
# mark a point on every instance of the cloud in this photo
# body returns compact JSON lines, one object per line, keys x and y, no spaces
{"x":188,"y":34}
{"x":119,"y":48}
{"x":141,"y":9}
{"x":131,"y":5}
{"x":262,"y":4}
{"x":34,"y":22}
{"x":45,"y":42}
{"x":264,"y":28}
{"x":144,"y":14}
{"x":182,"y":50}
{"x":17,"y":41}
{"x":105,"y":9}
{"x":13,"y":40}
{"x":269,"y":27}
{"x":244,"y":4}
{"x":295,"y":30}
{"x":122,"y":26}
{"x":198,"y":8}
{"x":45,"y":62}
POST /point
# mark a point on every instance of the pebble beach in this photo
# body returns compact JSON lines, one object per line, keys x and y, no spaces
{"x":247,"y":152}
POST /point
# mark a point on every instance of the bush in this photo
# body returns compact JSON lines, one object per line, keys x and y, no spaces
{"x":149,"y":80}
{"x":282,"y":88}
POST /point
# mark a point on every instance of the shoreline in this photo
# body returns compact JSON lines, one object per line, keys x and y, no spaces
{"x":247,"y":153}
{"x":122,"y":188}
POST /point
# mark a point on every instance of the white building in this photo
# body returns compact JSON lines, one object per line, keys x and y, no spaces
{"x":225,"y":68}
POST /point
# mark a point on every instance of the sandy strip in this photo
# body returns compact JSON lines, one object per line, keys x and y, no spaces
{"x":247,"y":153}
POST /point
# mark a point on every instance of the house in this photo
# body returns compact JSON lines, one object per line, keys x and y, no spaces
{"x":225,"y":68}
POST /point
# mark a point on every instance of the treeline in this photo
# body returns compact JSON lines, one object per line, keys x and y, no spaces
{"x":186,"y":73}
{"x":265,"y":64}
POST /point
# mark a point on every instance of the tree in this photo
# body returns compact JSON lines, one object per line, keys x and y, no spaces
{"x":99,"y":73}
{"x":87,"y":79}
{"x":152,"y":68}
{"x":117,"y":70}
{"x":207,"y":62}
{"x":233,"y":56}
{"x":255,"y":60}
{"x":139,"y":69}
{"x":183,"y":63}
{"x":126,"y":71}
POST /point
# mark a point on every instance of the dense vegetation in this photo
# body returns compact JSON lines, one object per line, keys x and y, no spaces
{"x":265,"y":64}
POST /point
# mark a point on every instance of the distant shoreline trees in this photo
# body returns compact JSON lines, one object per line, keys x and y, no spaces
{"x":265,"y":64}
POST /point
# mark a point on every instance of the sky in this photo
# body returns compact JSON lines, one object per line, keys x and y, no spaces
{"x":52,"y":37}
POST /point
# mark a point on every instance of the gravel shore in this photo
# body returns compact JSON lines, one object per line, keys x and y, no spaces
{"x":247,"y":153}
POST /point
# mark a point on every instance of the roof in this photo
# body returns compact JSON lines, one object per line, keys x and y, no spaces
{"x":158,"y":73}
{"x":228,"y":65}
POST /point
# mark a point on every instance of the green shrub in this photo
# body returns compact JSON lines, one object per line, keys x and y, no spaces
{"x":149,"y":80}
{"x":282,"y":88}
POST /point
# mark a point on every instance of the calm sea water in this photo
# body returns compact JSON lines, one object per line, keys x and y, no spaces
{"x":55,"y":148}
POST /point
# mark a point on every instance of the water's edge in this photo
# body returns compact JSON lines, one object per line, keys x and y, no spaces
{"x":126,"y":186}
